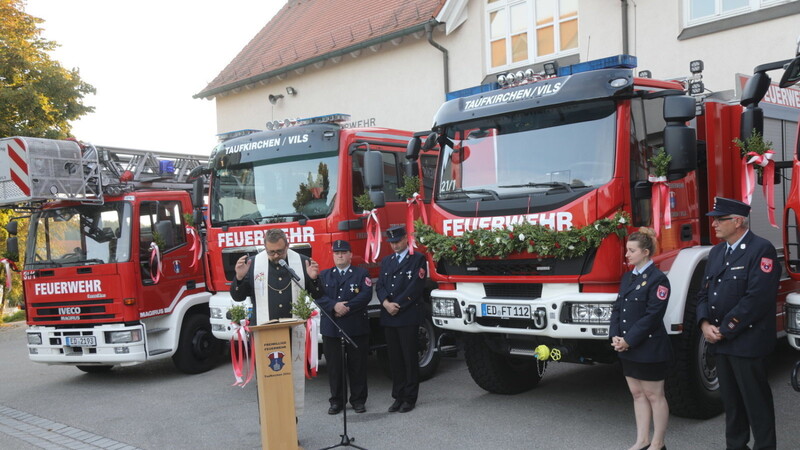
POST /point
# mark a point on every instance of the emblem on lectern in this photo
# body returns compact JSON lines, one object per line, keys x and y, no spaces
{"x":276,"y":361}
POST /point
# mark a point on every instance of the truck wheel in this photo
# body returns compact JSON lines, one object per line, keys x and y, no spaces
{"x":692,"y":388}
{"x":198,"y":350}
{"x":428,"y":356}
{"x":796,"y":376}
{"x":496,"y":373}
{"x":95,"y":369}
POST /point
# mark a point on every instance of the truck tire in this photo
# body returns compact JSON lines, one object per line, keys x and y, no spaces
{"x":198,"y":350}
{"x":496,"y":373}
{"x":95,"y":369}
{"x":428,"y":356}
{"x":796,"y":376}
{"x":692,"y":387}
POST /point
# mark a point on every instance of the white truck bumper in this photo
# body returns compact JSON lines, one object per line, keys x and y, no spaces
{"x":102,"y":345}
{"x":562,"y":312}
{"x":793,"y":319}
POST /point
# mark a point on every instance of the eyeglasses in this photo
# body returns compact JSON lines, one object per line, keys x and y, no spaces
{"x":276,"y":252}
{"x":722,"y":219}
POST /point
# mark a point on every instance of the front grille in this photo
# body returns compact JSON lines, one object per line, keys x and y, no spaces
{"x":72,"y":310}
{"x":519,"y":267}
{"x":513,"y":290}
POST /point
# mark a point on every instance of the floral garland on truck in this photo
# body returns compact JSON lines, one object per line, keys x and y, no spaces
{"x":521,"y":238}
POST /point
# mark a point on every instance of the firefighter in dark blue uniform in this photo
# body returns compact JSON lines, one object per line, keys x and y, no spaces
{"x":400,"y":289}
{"x":637,"y":332}
{"x":736,"y":312}
{"x":346,"y":292}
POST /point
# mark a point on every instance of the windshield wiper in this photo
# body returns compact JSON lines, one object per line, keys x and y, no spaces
{"x":43,"y":263}
{"x":551,"y":184}
{"x":228,"y":222}
{"x":276,"y":216}
{"x":91,"y":261}
{"x":473,"y":191}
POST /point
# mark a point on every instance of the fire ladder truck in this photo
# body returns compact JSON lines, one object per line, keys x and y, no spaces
{"x":114,"y":271}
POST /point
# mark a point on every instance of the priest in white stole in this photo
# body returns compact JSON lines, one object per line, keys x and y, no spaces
{"x":272,"y":291}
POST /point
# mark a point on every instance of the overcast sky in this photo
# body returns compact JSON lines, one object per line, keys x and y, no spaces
{"x":146,"y":58}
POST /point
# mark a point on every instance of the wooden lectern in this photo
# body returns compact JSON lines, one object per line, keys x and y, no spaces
{"x":273,"y":353}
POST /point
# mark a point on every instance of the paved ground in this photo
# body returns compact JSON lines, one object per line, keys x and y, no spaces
{"x":153,"y":406}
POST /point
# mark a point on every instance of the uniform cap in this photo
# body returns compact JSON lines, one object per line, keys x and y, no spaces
{"x":396,"y":234}
{"x":341,"y":246}
{"x":727,"y":206}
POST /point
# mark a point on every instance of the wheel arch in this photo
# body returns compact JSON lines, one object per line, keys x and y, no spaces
{"x":687,"y":269}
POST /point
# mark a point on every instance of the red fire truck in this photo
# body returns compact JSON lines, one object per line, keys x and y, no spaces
{"x":303,"y":177}
{"x":572,"y":152}
{"x":98,"y":293}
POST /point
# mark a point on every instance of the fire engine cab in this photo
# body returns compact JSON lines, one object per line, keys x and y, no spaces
{"x":113,"y":273}
{"x":572,"y":150}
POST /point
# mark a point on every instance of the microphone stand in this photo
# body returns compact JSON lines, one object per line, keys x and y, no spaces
{"x":347,"y":441}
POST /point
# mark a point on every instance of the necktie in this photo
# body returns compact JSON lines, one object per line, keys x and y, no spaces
{"x":341,"y":272}
{"x":728,"y":254}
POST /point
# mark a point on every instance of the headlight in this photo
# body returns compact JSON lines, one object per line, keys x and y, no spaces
{"x":445,"y":307}
{"x":590,"y":312}
{"x":792,"y":319}
{"x":123,"y":337}
{"x":216,"y":313}
{"x":35,"y":338}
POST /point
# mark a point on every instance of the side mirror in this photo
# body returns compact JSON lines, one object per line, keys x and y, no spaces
{"x":197,"y":193}
{"x":413,"y":148}
{"x":791,"y":74}
{"x":11,"y":227}
{"x":430,"y":141}
{"x":752,"y":120}
{"x":680,"y":141}
{"x":197,"y":218}
{"x":12,"y":247}
{"x":755,"y":89}
{"x":377,"y":198}
{"x":373,"y":170}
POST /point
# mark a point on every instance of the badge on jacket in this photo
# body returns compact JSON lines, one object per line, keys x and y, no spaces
{"x":368,"y":281}
{"x":766,"y":265}
{"x":662,"y":293}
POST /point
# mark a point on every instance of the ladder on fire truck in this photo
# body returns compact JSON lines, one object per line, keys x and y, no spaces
{"x":40,"y":170}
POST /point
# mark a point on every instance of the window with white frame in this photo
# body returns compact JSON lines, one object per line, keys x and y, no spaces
{"x":702,"y":11}
{"x":522,"y":32}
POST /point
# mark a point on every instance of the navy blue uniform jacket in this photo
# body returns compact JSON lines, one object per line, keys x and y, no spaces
{"x":638,"y":316}
{"x":403,"y":284}
{"x":355,"y":289}
{"x":739,"y":297}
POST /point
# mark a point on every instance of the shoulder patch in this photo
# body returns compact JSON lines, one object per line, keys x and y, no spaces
{"x":368,"y":281}
{"x":662,"y":293}
{"x":421,"y":272}
{"x":766,"y":265}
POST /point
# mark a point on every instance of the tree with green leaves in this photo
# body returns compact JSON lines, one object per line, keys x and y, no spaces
{"x":38,"y":97}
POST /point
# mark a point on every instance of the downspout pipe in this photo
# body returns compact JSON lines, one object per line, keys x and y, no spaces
{"x":445,"y":54}
{"x":624,"y":27}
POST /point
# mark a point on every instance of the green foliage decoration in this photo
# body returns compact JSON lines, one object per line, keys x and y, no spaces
{"x":238,"y":313}
{"x":755,"y":143}
{"x":660,"y":163}
{"x":302,"y":306}
{"x":525,"y":237}
{"x":410,"y":186}
{"x":364,"y":202}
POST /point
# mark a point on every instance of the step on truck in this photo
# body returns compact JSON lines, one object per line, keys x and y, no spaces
{"x":113,"y":274}
{"x":572,"y":151}
{"x":303,"y":176}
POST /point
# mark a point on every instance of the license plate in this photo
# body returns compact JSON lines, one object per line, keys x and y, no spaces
{"x":81,"y":341}
{"x":506,"y":311}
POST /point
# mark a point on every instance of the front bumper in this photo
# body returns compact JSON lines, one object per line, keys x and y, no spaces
{"x":550,"y":313}
{"x":53,"y":348}
{"x":792,"y":318}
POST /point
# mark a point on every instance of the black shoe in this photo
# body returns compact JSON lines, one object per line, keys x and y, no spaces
{"x":359,"y":408}
{"x":406,"y":407}
{"x":395,"y":406}
{"x":335,"y":409}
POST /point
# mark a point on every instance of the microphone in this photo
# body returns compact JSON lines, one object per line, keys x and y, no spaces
{"x":282,"y":263}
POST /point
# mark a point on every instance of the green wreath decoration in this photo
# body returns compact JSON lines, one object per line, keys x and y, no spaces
{"x":754,"y":143}
{"x":524,"y":237}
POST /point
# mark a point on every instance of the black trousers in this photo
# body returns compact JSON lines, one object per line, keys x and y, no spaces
{"x":747,"y":399}
{"x":402,"y":343}
{"x":356,"y":368}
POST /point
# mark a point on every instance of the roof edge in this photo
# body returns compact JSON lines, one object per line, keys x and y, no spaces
{"x":308,"y":62}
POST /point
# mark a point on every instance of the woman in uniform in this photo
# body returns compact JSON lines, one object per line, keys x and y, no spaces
{"x":640,"y":338}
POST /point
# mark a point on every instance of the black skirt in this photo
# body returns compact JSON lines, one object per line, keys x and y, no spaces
{"x":656,"y":371}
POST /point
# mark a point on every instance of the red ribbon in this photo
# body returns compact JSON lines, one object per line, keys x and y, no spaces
{"x":767,"y":178}
{"x":373,"y":249}
{"x":415,"y":200}
{"x":155,"y":260}
{"x":662,"y":210}
{"x":311,"y":341}
{"x":241,"y":333}
{"x":195,"y":248}
{"x":9,"y":266}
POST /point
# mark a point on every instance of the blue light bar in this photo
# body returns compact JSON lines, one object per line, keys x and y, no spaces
{"x":472,"y":90}
{"x":612,"y":62}
{"x":328,"y":118}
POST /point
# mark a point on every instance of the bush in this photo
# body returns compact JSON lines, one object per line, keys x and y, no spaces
{"x":15,"y":317}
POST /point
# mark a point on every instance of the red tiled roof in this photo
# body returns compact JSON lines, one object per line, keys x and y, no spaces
{"x":305,"y":31}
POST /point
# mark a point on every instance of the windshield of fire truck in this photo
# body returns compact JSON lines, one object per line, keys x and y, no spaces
{"x":565,"y":148}
{"x":79,"y":235}
{"x":270,"y":191}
